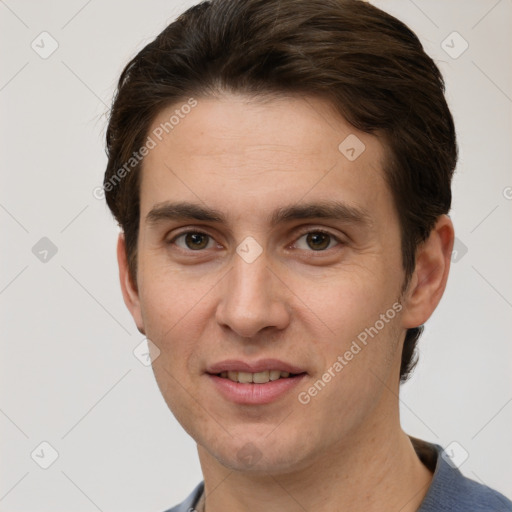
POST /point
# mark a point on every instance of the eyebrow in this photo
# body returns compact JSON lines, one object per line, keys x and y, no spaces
{"x":333,"y":210}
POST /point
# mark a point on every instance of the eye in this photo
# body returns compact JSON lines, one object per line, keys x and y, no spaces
{"x":193,"y":240}
{"x":317,"y":240}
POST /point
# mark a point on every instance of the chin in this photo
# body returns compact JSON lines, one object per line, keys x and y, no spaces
{"x":257,"y":454}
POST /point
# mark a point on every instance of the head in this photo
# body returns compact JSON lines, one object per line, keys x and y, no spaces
{"x":241,"y":108}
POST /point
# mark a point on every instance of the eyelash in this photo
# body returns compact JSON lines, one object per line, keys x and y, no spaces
{"x":301,"y":234}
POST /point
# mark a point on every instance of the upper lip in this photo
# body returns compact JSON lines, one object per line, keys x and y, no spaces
{"x":235,"y":365}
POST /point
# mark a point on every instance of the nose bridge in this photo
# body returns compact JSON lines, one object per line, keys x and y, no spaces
{"x":251,"y":299}
{"x":251,"y":281}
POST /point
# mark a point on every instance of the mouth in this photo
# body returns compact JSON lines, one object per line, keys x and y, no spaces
{"x":255,"y":393}
{"x":254,"y":382}
{"x":262,"y":377}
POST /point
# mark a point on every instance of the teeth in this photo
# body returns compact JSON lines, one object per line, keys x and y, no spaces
{"x":261,"y":377}
{"x":244,"y":377}
{"x":257,"y":378}
{"x":274,"y":374}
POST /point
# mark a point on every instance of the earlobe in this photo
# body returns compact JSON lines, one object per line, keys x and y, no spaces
{"x":430,"y":275}
{"x":130,"y":293}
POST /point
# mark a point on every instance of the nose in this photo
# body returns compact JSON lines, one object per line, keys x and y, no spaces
{"x":253,"y":298}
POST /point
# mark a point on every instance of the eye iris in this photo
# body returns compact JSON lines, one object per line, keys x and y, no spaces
{"x":196,"y":239}
{"x":318,"y":238}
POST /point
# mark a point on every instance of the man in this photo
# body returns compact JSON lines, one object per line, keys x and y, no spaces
{"x":281,"y":174}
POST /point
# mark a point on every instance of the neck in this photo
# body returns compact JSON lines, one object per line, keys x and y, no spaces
{"x":370,"y":474}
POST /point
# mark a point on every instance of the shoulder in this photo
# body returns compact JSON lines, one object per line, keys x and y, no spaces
{"x":451,"y":491}
{"x":190,"y":501}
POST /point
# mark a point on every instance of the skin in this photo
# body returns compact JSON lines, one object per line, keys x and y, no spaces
{"x":345,"y":449}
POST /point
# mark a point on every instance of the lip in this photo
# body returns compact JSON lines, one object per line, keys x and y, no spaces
{"x":254,"y":394}
{"x":234,"y":365}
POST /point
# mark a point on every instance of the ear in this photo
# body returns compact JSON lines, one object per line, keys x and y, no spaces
{"x":130,"y":292}
{"x":428,"y":281}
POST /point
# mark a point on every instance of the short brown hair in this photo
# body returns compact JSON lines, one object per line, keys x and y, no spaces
{"x":370,"y":66}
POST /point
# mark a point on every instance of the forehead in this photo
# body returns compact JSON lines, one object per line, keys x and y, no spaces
{"x":245,"y":152}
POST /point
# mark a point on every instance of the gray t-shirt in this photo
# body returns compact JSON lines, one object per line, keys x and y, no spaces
{"x":449,"y":491}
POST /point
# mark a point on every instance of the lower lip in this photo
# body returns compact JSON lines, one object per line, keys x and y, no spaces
{"x":254,"y":394}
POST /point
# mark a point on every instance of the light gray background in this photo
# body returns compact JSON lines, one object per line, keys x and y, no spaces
{"x":68,"y":374}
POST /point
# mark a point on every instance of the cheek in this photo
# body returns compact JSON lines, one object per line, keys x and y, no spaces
{"x":169,"y":310}
{"x":360,"y":358}
{"x":347,"y":301}
{"x":357,"y":313}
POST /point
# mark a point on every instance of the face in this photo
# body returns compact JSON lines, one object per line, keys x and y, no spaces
{"x":282,"y":248}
